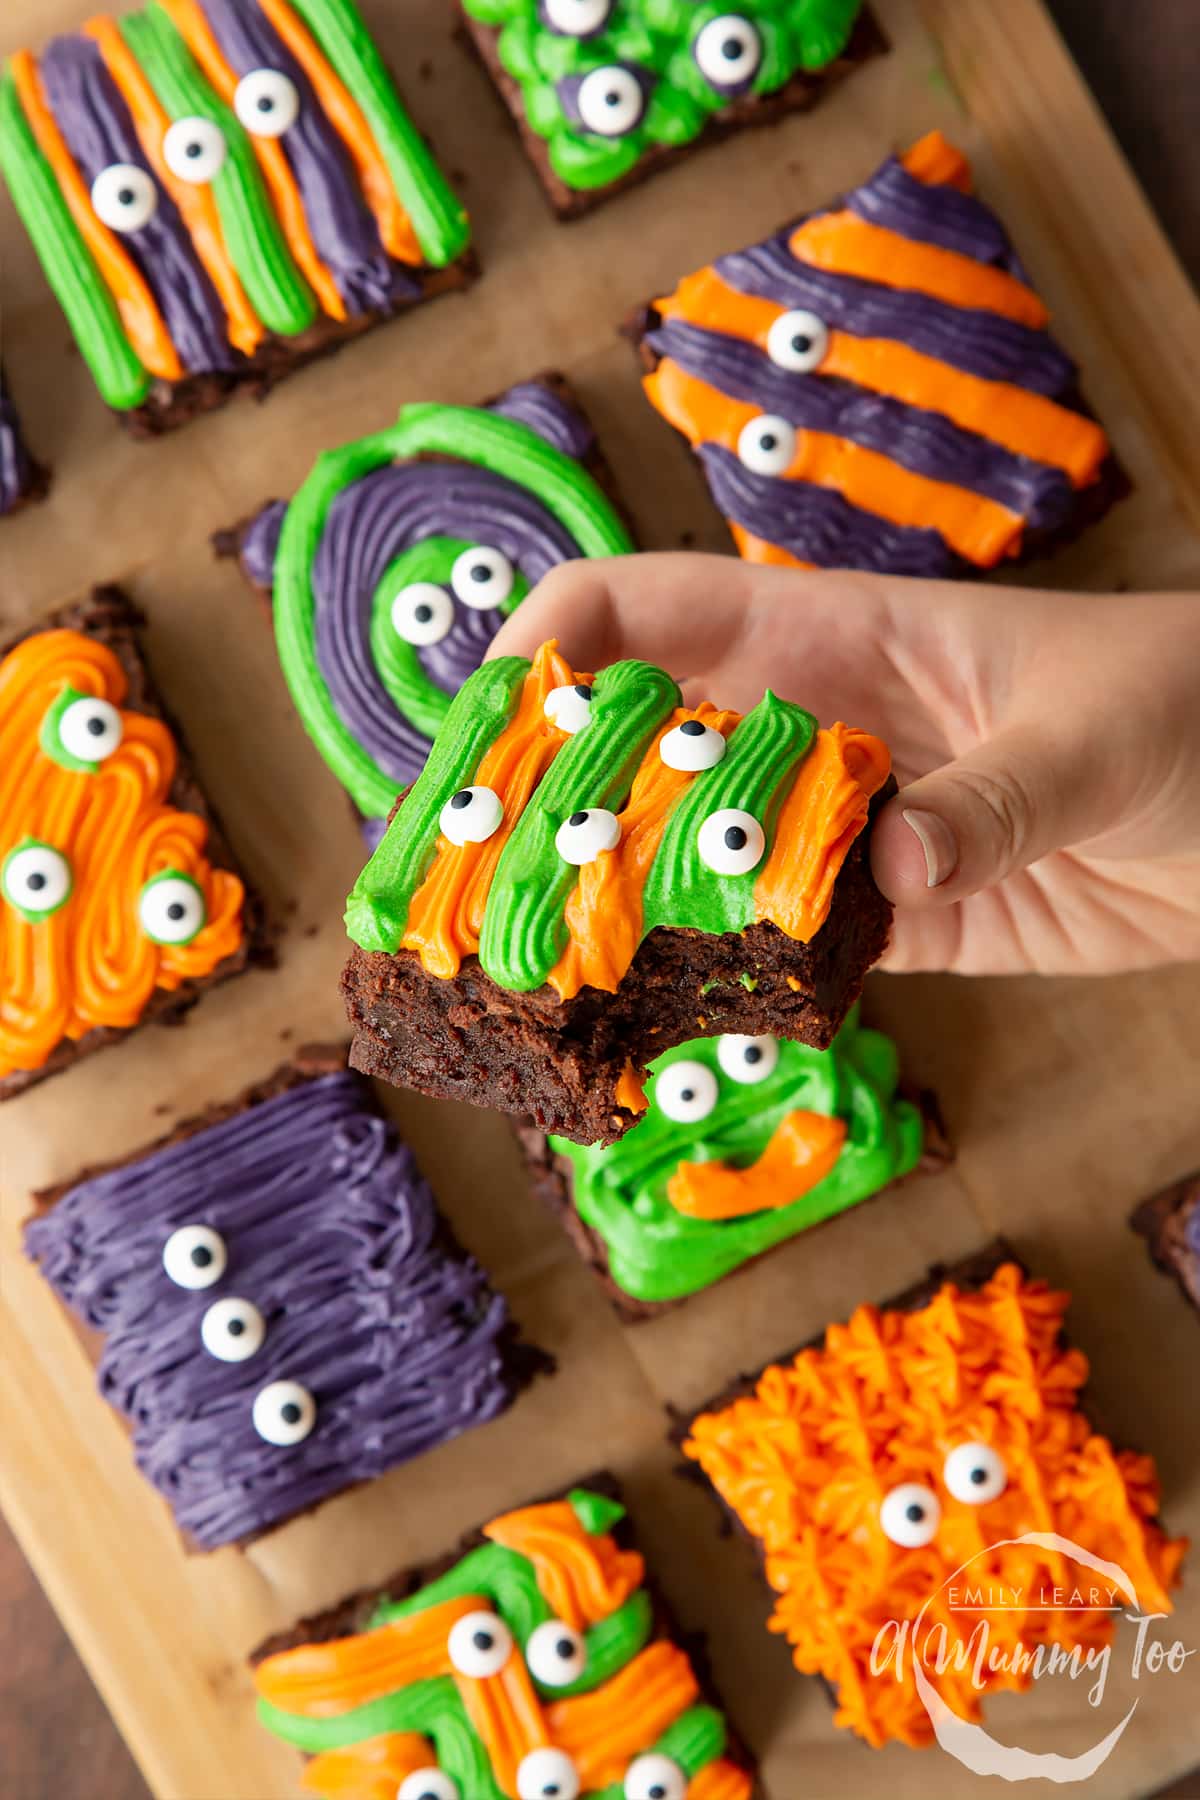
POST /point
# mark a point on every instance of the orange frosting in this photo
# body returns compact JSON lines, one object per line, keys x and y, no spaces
{"x":323,"y":1680}
{"x":89,"y":963}
{"x":142,"y":322}
{"x":196,"y":32}
{"x":631,"y":1089}
{"x":372,"y":1770}
{"x":802,"y":1150}
{"x":445,"y":917}
{"x":758,"y":550}
{"x":933,"y":159}
{"x":720,"y":1780}
{"x":507,"y":1714}
{"x":824,"y":812}
{"x":806,"y":1460}
{"x":582,"y":1578}
{"x":603,"y":1731}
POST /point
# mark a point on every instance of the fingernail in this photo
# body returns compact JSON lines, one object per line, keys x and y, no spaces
{"x":937,"y":841}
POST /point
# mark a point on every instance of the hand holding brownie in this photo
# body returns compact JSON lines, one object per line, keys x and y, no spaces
{"x":1043,"y":741}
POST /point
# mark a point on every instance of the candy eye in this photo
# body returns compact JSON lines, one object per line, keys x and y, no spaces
{"x":555,"y":1654}
{"x":691,"y":746}
{"x":479,"y":1644}
{"x":747,"y":1059}
{"x":547,"y":1774}
{"x":655,"y":1777}
{"x":570,"y":708}
{"x":731,"y":841}
{"x":124,"y":197}
{"x":581,"y":838}
{"x":194,"y":1256}
{"x":90,"y":729}
{"x":194,"y":150}
{"x":422,"y":613}
{"x":482,"y":578}
{"x":232,"y":1330}
{"x":728,"y":51}
{"x":611,"y":101}
{"x":171,"y":908}
{"x":428,"y":1784}
{"x":284,"y":1413}
{"x":471,"y":815}
{"x":36,"y":879}
{"x":577,"y":18}
{"x":975,"y":1474}
{"x":910,"y":1515}
{"x":266,"y":102}
{"x":686,"y":1092}
{"x":798,"y":341}
{"x":767,"y":445}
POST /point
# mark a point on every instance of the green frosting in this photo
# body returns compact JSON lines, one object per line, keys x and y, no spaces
{"x":78,"y":286}
{"x":656,"y":39}
{"x":438,"y":218}
{"x":50,"y":736}
{"x":524,"y":931}
{"x":505,"y":447}
{"x":655,"y":1252}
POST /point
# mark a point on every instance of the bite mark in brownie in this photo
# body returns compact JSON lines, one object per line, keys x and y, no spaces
{"x":1170,"y":1223}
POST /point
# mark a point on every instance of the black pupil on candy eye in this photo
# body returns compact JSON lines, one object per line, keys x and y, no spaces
{"x":579,"y":818}
{"x":914,"y":1513}
{"x":801,"y":343}
{"x":265,"y":103}
{"x":565,"y":1648}
{"x":752,"y":1053}
{"x":692,"y":728}
{"x":423,"y":613}
{"x":461,"y":799}
{"x":687,"y":1093}
{"x":236,"y":1327}
{"x":96,"y":725}
{"x":735,"y":838}
{"x":36,"y":881}
{"x":176,"y":910}
{"x":482,"y":1640}
{"x":657,"y":1792}
{"x":768,"y":440}
{"x":201,"y":1256}
{"x":480,"y":572}
{"x":612,"y":98}
{"x":289,"y":1412}
{"x":583,"y":690}
{"x":731,"y":49}
{"x":126,"y":196}
{"x":195,"y":148}
{"x":978,"y":1475}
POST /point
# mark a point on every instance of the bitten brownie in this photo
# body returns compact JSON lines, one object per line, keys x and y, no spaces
{"x":587,"y":873}
{"x":121,"y":901}
{"x":607,"y":92}
{"x":537,"y":1659}
{"x":875,"y":386}
{"x":276,"y":1307}
{"x":1170,"y":1224}
{"x":395,"y":564}
{"x":21,"y":479}
{"x":872,"y":1468}
{"x":220,"y":192}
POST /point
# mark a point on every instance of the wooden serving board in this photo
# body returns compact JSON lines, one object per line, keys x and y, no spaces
{"x":1068,"y":1100}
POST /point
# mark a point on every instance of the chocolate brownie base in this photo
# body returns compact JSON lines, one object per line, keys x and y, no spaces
{"x":110,"y":617}
{"x":552,"y":1178}
{"x":560,"y":1062}
{"x":798,"y":95}
{"x":171,"y":404}
{"x":1170,"y":1224}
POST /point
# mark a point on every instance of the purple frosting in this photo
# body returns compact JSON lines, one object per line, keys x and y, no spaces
{"x":260,"y":541}
{"x":532,"y":403}
{"x":16,"y":464}
{"x":99,"y":131}
{"x":920,"y":440}
{"x":332,"y":1233}
{"x":933,"y":213}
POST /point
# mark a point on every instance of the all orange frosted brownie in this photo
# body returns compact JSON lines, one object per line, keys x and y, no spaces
{"x":587,"y":873}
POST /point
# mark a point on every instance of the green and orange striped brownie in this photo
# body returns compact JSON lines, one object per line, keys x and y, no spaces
{"x":586,"y":873}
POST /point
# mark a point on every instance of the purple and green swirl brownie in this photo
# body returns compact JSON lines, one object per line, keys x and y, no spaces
{"x":283,"y":1312}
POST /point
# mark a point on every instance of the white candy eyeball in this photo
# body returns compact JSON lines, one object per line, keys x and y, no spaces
{"x":194,"y":1256}
{"x":655,"y":1777}
{"x":171,"y":909}
{"x":194,"y":150}
{"x":555,"y":1654}
{"x":731,"y":841}
{"x":422,"y":613}
{"x":36,"y":879}
{"x":232,"y":1329}
{"x":691,"y":746}
{"x":577,"y":18}
{"x":747,"y":1059}
{"x":728,"y":51}
{"x":975,"y":1473}
{"x":767,"y":445}
{"x":482,"y":578}
{"x":570,"y":708}
{"x":284,"y":1413}
{"x":798,"y":341}
{"x":479,"y":1644}
{"x":428,"y":1784}
{"x":124,"y":197}
{"x":685,"y":1092}
{"x":90,"y":729}
{"x":910,"y":1515}
{"x":611,"y":101}
{"x":472,"y":815}
{"x":267,"y":102}
{"x":581,"y":838}
{"x":548,"y":1774}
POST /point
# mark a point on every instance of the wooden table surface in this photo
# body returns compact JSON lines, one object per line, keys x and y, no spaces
{"x":1144,"y":65}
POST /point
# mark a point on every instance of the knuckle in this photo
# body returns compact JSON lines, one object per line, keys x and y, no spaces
{"x":1003,"y":808}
